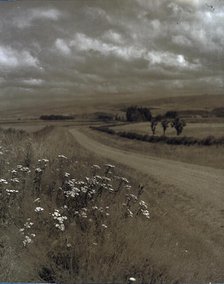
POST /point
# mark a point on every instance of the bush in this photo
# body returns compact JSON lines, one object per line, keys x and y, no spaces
{"x":56,"y":117}
{"x":210,"y":140}
{"x":105,"y":116}
{"x":219,"y":112}
{"x":171,"y":114}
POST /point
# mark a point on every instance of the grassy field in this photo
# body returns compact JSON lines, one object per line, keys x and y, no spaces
{"x":197,"y":130}
{"x":67,"y":215}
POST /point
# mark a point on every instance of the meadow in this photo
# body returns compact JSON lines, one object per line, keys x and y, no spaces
{"x":197,"y":130}
{"x":67,"y":216}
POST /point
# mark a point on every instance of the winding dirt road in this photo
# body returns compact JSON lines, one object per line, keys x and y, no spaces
{"x":205,"y":182}
{"x":188,"y":208}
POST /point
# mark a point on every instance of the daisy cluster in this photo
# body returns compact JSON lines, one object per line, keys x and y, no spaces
{"x":26,"y":231}
{"x":59,"y":220}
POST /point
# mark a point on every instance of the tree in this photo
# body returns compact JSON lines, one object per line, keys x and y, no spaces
{"x":135,"y":113}
{"x":179,"y":125}
{"x":165,"y":125}
{"x":154,"y":123}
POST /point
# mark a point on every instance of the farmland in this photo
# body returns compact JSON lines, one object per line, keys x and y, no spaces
{"x":197,"y":130}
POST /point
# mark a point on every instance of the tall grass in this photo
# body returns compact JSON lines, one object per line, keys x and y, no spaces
{"x":66,"y":218}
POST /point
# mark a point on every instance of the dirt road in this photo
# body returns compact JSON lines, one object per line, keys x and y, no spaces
{"x":205,"y":182}
{"x":188,"y":208}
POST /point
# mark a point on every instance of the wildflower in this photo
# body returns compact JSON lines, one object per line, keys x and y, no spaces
{"x":37,"y":200}
{"x":104,"y":226}
{"x":146,"y":213}
{"x":60,"y":219}
{"x":43,"y":161}
{"x":60,"y":227}
{"x":84,"y":189}
{"x":39,"y":209}
{"x":143,"y":204}
{"x":3,"y":181}
{"x":96,"y":167}
{"x":130,"y":213}
{"x":109,"y":166}
{"x":69,"y":245}
{"x":83,"y":215}
{"x":9,"y":191}
{"x":19,"y":167}
{"x":128,"y":186}
{"x":106,"y":179}
{"x":28,"y":224}
{"x":67,"y":175}
{"x":133,"y":196}
{"x":124,"y":180}
{"x":98,"y":177}
{"x":23,"y":169}
{"x":132,"y":279}
{"x":27,"y":241}
{"x":62,"y":157}
{"x":38,"y":170}
{"x":14,"y":180}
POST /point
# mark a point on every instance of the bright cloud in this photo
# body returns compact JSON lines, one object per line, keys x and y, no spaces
{"x":62,"y":46}
{"x":11,"y":58}
{"x":27,"y":18}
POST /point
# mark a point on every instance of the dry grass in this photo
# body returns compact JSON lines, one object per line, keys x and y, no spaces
{"x":83,"y":250}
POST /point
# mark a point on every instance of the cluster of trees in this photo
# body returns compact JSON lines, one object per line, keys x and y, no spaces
{"x":56,"y":117}
{"x":170,"y":119}
{"x":176,"y":123}
{"x":135,"y":113}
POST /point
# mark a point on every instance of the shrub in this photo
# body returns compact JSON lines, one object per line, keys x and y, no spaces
{"x":56,"y":117}
{"x":171,"y":114}
{"x":210,"y":140}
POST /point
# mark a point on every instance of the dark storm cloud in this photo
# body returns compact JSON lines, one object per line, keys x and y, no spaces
{"x":102,"y":45}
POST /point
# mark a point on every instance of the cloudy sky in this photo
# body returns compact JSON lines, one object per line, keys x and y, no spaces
{"x":88,"y":46}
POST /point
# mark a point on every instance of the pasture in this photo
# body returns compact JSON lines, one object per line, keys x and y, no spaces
{"x":197,"y":130}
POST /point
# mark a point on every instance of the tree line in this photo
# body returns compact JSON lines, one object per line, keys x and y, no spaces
{"x":170,"y":119}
